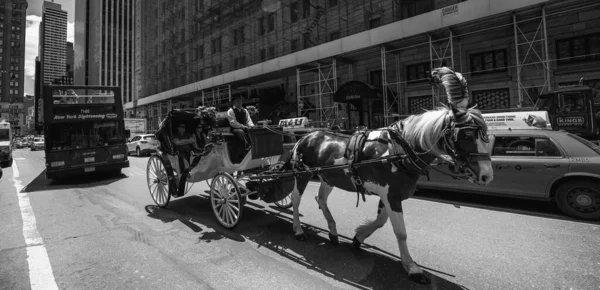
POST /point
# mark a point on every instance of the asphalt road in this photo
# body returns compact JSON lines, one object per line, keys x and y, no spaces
{"x":105,"y":233}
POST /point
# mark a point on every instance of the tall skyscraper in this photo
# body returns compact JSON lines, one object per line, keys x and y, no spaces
{"x":104,"y":45}
{"x":53,"y":42}
{"x":12,"y":61}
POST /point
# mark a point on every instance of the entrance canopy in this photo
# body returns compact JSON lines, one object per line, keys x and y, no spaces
{"x":355,"y":91}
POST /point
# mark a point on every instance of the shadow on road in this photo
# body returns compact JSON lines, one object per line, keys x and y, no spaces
{"x":86,"y":181}
{"x":496,"y":203}
{"x":368,"y":268}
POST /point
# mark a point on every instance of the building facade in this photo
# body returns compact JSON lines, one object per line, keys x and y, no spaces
{"x":360,"y":62}
{"x":104,"y":44}
{"x":12,"y":62}
{"x":53,"y":42}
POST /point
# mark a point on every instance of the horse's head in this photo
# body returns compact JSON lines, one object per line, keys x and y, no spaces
{"x":465,"y":136}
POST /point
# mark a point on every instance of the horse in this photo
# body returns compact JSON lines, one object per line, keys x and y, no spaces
{"x":453,"y":130}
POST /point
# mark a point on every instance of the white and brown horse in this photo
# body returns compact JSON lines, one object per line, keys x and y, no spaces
{"x":456,"y":131}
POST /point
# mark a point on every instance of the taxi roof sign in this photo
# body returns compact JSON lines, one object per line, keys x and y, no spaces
{"x":294,"y":122}
{"x":518,"y":120}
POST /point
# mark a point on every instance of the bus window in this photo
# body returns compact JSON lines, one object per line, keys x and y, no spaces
{"x":84,"y":135}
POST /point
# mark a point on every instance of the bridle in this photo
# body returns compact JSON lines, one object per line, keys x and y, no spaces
{"x":453,"y":135}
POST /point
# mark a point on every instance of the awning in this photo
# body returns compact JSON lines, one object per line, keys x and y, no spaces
{"x":353,"y":91}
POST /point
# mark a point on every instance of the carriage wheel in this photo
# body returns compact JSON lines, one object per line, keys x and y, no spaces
{"x":226,"y":200}
{"x":158,"y":181}
{"x":285,"y":203}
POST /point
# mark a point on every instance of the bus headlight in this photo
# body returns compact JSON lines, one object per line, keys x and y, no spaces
{"x":57,"y":163}
{"x":119,"y":156}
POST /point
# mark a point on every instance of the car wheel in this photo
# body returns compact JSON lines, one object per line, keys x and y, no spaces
{"x":138,"y":152}
{"x":579,"y":199}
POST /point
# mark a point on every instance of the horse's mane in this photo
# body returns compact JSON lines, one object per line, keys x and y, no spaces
{"x":423,"y":131}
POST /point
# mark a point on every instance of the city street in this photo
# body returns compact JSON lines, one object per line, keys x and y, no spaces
{"x":106,"y":233}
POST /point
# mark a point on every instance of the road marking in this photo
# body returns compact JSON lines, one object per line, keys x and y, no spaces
{"x":40,"y":270}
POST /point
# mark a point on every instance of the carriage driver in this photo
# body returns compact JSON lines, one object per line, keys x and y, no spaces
{"x":239,"y":120}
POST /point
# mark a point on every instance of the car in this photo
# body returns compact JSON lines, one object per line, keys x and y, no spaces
{"x":21,"y":143}
{"x":142,"y":144}
{"x":535,"y":163}
{"x":38,"y":143}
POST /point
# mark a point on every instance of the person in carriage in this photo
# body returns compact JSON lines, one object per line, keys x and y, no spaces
{"x":240,"y":121}
{"x":186,"y":143}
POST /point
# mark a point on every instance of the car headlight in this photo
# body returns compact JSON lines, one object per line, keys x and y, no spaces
{"x":4,"y":149}
{"x":118,"y":156}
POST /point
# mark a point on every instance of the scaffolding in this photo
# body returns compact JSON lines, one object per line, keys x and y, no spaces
{"x":391,"y":98}
{"x":216,"y":96}
{"x":536,"y":55}
{"x":441,"y":53}
{"x":315,"y":89}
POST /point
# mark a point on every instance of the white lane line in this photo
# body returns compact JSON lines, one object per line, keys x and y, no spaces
{"x":40,"y":270}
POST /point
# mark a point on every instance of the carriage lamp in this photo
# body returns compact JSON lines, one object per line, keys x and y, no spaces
{"x":118,"y":156}
{"x":57,"y":163}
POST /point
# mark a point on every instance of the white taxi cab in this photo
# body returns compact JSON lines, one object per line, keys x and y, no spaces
{"x":532,"y":161}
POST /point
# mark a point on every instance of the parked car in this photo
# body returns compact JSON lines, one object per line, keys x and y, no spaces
{"x":142,"y":144}
{"x":38,"y":143}
{"x":21,"y":143}
{"x":537,"y":164}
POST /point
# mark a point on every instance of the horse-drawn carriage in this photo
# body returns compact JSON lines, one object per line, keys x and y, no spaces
{"x":223,"y":162}
{"x":386,"y":162}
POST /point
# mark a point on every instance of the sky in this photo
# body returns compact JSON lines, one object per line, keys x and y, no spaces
{"x":34,"y":17}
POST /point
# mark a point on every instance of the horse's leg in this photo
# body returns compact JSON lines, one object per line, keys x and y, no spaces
{"x":397,"y":218}
{"x":299,"y":186}
{"x":324,"y":191}
{"x":367,"y":229}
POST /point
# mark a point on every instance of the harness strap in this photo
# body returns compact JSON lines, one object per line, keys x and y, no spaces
{"x":353,"y":154}
{"x":417,"y":162}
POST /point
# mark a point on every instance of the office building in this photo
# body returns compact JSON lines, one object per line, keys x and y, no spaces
{"x":104,"y":45}
{"x":12,"y":61}
{"x":363,"y":62}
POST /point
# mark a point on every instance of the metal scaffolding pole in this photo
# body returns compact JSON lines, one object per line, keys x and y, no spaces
{"x":535,"y":55}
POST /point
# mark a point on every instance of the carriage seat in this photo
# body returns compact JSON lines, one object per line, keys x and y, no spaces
{"x":223,"y":128}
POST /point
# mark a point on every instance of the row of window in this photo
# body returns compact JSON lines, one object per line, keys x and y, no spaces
{"x":571,"y":50}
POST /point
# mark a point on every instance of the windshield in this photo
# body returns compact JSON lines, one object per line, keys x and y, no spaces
{"x":84,"y":135}
{"x":585,"y":142}
{"x":543,"y":102}
{"x":83,"y":96}
{"x":149,"y":138}
{"x":4,"y":135}
{"x":571,"y":103}
{"x":38,"y":140}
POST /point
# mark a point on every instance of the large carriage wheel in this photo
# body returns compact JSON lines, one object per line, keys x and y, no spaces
{"x":226,"y":200}
{"x":158,"y":181}
{"x":287,"y":201}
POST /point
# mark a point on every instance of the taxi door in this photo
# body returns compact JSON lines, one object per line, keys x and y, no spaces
{"x":525,"y":165}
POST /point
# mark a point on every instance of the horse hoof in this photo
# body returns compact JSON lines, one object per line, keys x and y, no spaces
{"x":356,"y":243}
{"x":420,"y":278}
{"x":301,"y":237}
{"x":334,"y":239}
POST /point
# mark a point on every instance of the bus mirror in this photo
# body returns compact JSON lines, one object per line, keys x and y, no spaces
{"x":127,"y":134}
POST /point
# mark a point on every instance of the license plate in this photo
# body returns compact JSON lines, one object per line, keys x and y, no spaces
{"x":88,"y":159}
{"x":89,"y":169}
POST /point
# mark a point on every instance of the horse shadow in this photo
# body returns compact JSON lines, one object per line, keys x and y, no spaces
{"x":41,"y":183}
{"x":367,"y":268}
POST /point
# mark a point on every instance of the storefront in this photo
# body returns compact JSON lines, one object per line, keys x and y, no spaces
{"x":364,"y":105}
